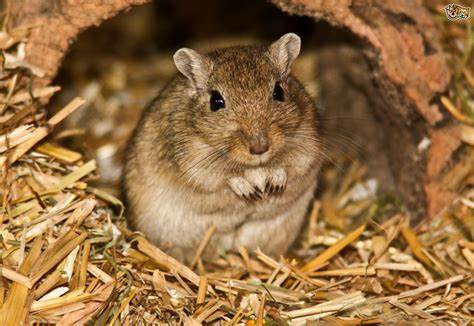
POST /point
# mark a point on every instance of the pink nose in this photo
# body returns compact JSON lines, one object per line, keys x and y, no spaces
{"x":258,"y":148}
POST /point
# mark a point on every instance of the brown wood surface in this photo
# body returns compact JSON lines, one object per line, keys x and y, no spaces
{"x":55,"y":24}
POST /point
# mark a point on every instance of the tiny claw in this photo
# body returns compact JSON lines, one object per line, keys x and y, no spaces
{"x":271,"y":190}
{"x":256,"y":196}
{"x":267,"y":186}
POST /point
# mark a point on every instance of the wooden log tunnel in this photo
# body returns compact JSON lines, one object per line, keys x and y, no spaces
{"x":397,"y":68}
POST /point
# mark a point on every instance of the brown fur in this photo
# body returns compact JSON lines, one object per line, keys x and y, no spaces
{"x":189,"y":167}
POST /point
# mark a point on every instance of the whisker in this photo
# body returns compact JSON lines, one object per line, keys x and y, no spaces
{"x":342,"y":117}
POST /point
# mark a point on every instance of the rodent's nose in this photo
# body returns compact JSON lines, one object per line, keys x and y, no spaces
{"x":258,"y":147}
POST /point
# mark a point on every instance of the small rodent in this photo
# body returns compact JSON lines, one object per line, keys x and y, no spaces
{"x":232,"y":140}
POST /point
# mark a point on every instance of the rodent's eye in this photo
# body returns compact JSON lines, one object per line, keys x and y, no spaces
{"x":217,"y":101}
{"x":278,"y":94}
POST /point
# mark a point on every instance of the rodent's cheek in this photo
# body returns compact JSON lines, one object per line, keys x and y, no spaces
{"x":232,"y":127}
{"x":237,"y":148}
{"x":277,"y":138}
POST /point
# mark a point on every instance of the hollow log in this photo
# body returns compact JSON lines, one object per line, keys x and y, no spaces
{"x":54,"y":25}
{"x":402,"y":74}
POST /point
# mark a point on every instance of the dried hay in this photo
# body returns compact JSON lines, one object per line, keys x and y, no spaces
{"x":67,"y":257}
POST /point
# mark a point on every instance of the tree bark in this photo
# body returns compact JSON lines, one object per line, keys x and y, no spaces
{"x":55,"y":24}
{"x":404,"y":70}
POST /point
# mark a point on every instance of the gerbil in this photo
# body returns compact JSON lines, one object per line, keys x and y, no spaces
{"x":232,"y":140}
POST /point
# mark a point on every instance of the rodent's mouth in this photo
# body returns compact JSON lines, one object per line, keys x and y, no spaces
{"x":254,"y":160}
{"x":241,"y":153}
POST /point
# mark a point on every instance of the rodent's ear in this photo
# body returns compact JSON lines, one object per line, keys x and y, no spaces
{"x":284,"y":51}
{"x":196,"y":67}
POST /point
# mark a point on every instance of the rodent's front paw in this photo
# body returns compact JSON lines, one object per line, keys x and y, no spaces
{"x":275,"y":182}
{"x":259,"y":183}
{"x":245,"y":189}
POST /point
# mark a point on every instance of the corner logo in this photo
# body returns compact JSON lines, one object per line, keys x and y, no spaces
{"x":454,"y":11}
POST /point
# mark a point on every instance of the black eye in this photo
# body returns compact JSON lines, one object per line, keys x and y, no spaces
{"x":278,"y":93}
{"x":217,"y":101}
